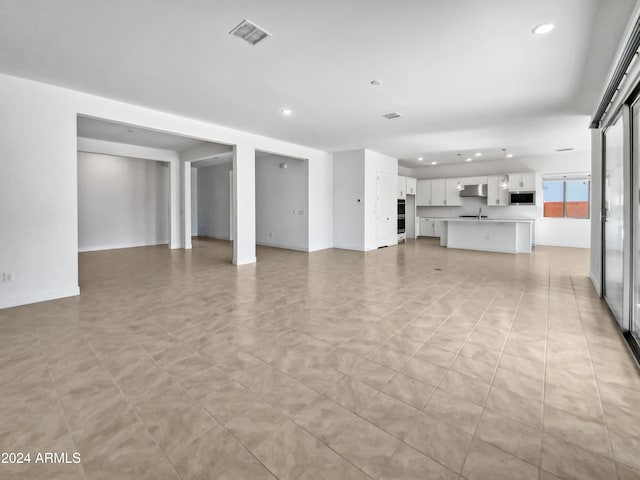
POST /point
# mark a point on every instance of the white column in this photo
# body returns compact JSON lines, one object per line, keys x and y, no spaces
{"x":175,"y":233}
{"x":185,"y":173}
{"x":244,"y":204}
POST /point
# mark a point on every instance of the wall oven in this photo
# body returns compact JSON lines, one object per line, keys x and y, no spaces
{"x":401,"y":219}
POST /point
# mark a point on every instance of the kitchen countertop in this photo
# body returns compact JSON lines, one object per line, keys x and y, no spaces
{"x":484,"y":220}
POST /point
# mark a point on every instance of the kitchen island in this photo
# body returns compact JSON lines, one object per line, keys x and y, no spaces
{"x":505,"y":235}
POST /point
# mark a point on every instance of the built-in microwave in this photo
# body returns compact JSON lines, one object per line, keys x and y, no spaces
{"x":522,"y":198}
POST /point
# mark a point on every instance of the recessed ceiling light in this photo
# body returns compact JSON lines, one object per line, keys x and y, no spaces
{"x":434,"y":163}
{"x":469,"y":159}
{"x":568,"y":149}
{"x":392,"y":115}
{"x":478,"y":154}
{"x":249,"y":32}
{"x":509,"y":155}
{"x":420,"y":159}
{"x":286,"y":112}
{"x":543,"y":29}
{"x":375,"y":83}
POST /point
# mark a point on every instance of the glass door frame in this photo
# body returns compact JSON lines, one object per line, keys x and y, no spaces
{"x":624,"y":115}
{"x":634,"y":216}
{"x":631,"y":209}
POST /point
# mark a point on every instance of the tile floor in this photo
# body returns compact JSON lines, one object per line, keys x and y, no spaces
{"x":413,"y":362}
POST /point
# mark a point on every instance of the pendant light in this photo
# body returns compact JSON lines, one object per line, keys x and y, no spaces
{"x":505,"y":180}
{"x":459,"y":186}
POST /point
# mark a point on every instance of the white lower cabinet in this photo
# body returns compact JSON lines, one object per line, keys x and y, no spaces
{"x":426,"y":227}
{"x":429,"y":228}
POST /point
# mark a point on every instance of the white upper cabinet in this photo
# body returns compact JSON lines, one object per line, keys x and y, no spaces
{"x":444,"y":192}
{"x":402,"y":187}
{"x":452,"y":197}
{"x":423,"y":193}
{"x":438,"y":192}
{"x":411,"y":186}
{"x":496,"y":195}
{"x":522,"y":182}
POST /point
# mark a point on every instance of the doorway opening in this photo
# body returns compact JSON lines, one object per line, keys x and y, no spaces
{"x":132,"y":184}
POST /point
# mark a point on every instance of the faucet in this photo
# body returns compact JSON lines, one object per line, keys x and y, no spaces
{"x":480,"y":213}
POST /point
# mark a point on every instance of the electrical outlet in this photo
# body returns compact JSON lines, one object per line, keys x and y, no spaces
{"x":271,"y":234}
{"x":300,"y":212}
{"x":7,"y":277}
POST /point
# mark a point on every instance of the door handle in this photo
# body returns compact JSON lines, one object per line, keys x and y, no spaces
{"x":604,"y":214}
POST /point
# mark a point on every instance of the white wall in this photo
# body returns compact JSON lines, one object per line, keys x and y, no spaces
{"x":376,"y":162}
{"x":355,"y":191}
{"x":214,"y":202}
{"x":194,"y":202}
{"x":281,"y":202}
{"x":122,"y":202}
{"x":349,"y":200}
{"x":38,"y":182}
{"x":548,"y":231}
{"x":404,"y":171}
{"x":91,"y":145}
{"x":320,"y":202}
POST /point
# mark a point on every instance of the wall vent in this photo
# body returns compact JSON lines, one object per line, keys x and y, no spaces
{"x":250,"y":32}
{"x":392,"y":115}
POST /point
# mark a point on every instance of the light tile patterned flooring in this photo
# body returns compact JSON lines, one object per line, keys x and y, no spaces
{"x":411,"y":362}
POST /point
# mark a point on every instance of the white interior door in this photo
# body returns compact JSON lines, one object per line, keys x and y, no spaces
{"x":386,"y":205}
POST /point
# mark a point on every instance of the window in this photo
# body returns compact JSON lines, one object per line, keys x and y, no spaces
{"x":566,"y":198}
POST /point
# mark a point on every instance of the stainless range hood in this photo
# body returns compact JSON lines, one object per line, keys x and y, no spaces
{"x":479,"y":190}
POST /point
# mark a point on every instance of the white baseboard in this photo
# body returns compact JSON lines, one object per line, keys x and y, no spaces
{"x":280,"y":245}
{"x":596,"y":283}
{"x":357,"y":248}
{"x":317,"y":249}
{"x":565,"y":245}
{"x":244,"y":261}
{"x":216,"y":237}
{"x":27,"y":298}
{"x":117,"y":246}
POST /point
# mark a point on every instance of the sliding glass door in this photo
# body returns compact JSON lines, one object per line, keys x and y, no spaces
{"x":613,"y":214}
{"x":635,"y":215}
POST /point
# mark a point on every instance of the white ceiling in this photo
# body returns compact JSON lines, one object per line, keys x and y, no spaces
{"x":121,"y":133}
{"x":219,"y":159}
{"x":467,"y":75}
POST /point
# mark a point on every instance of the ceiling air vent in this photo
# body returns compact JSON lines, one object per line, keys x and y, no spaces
{"x":564,"y":149}
{"x":250,"y":32}
{"x":392,"y":115}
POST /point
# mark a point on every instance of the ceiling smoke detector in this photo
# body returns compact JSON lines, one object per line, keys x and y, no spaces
{"x":250,"y":32}
{"x":392,"y":115}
